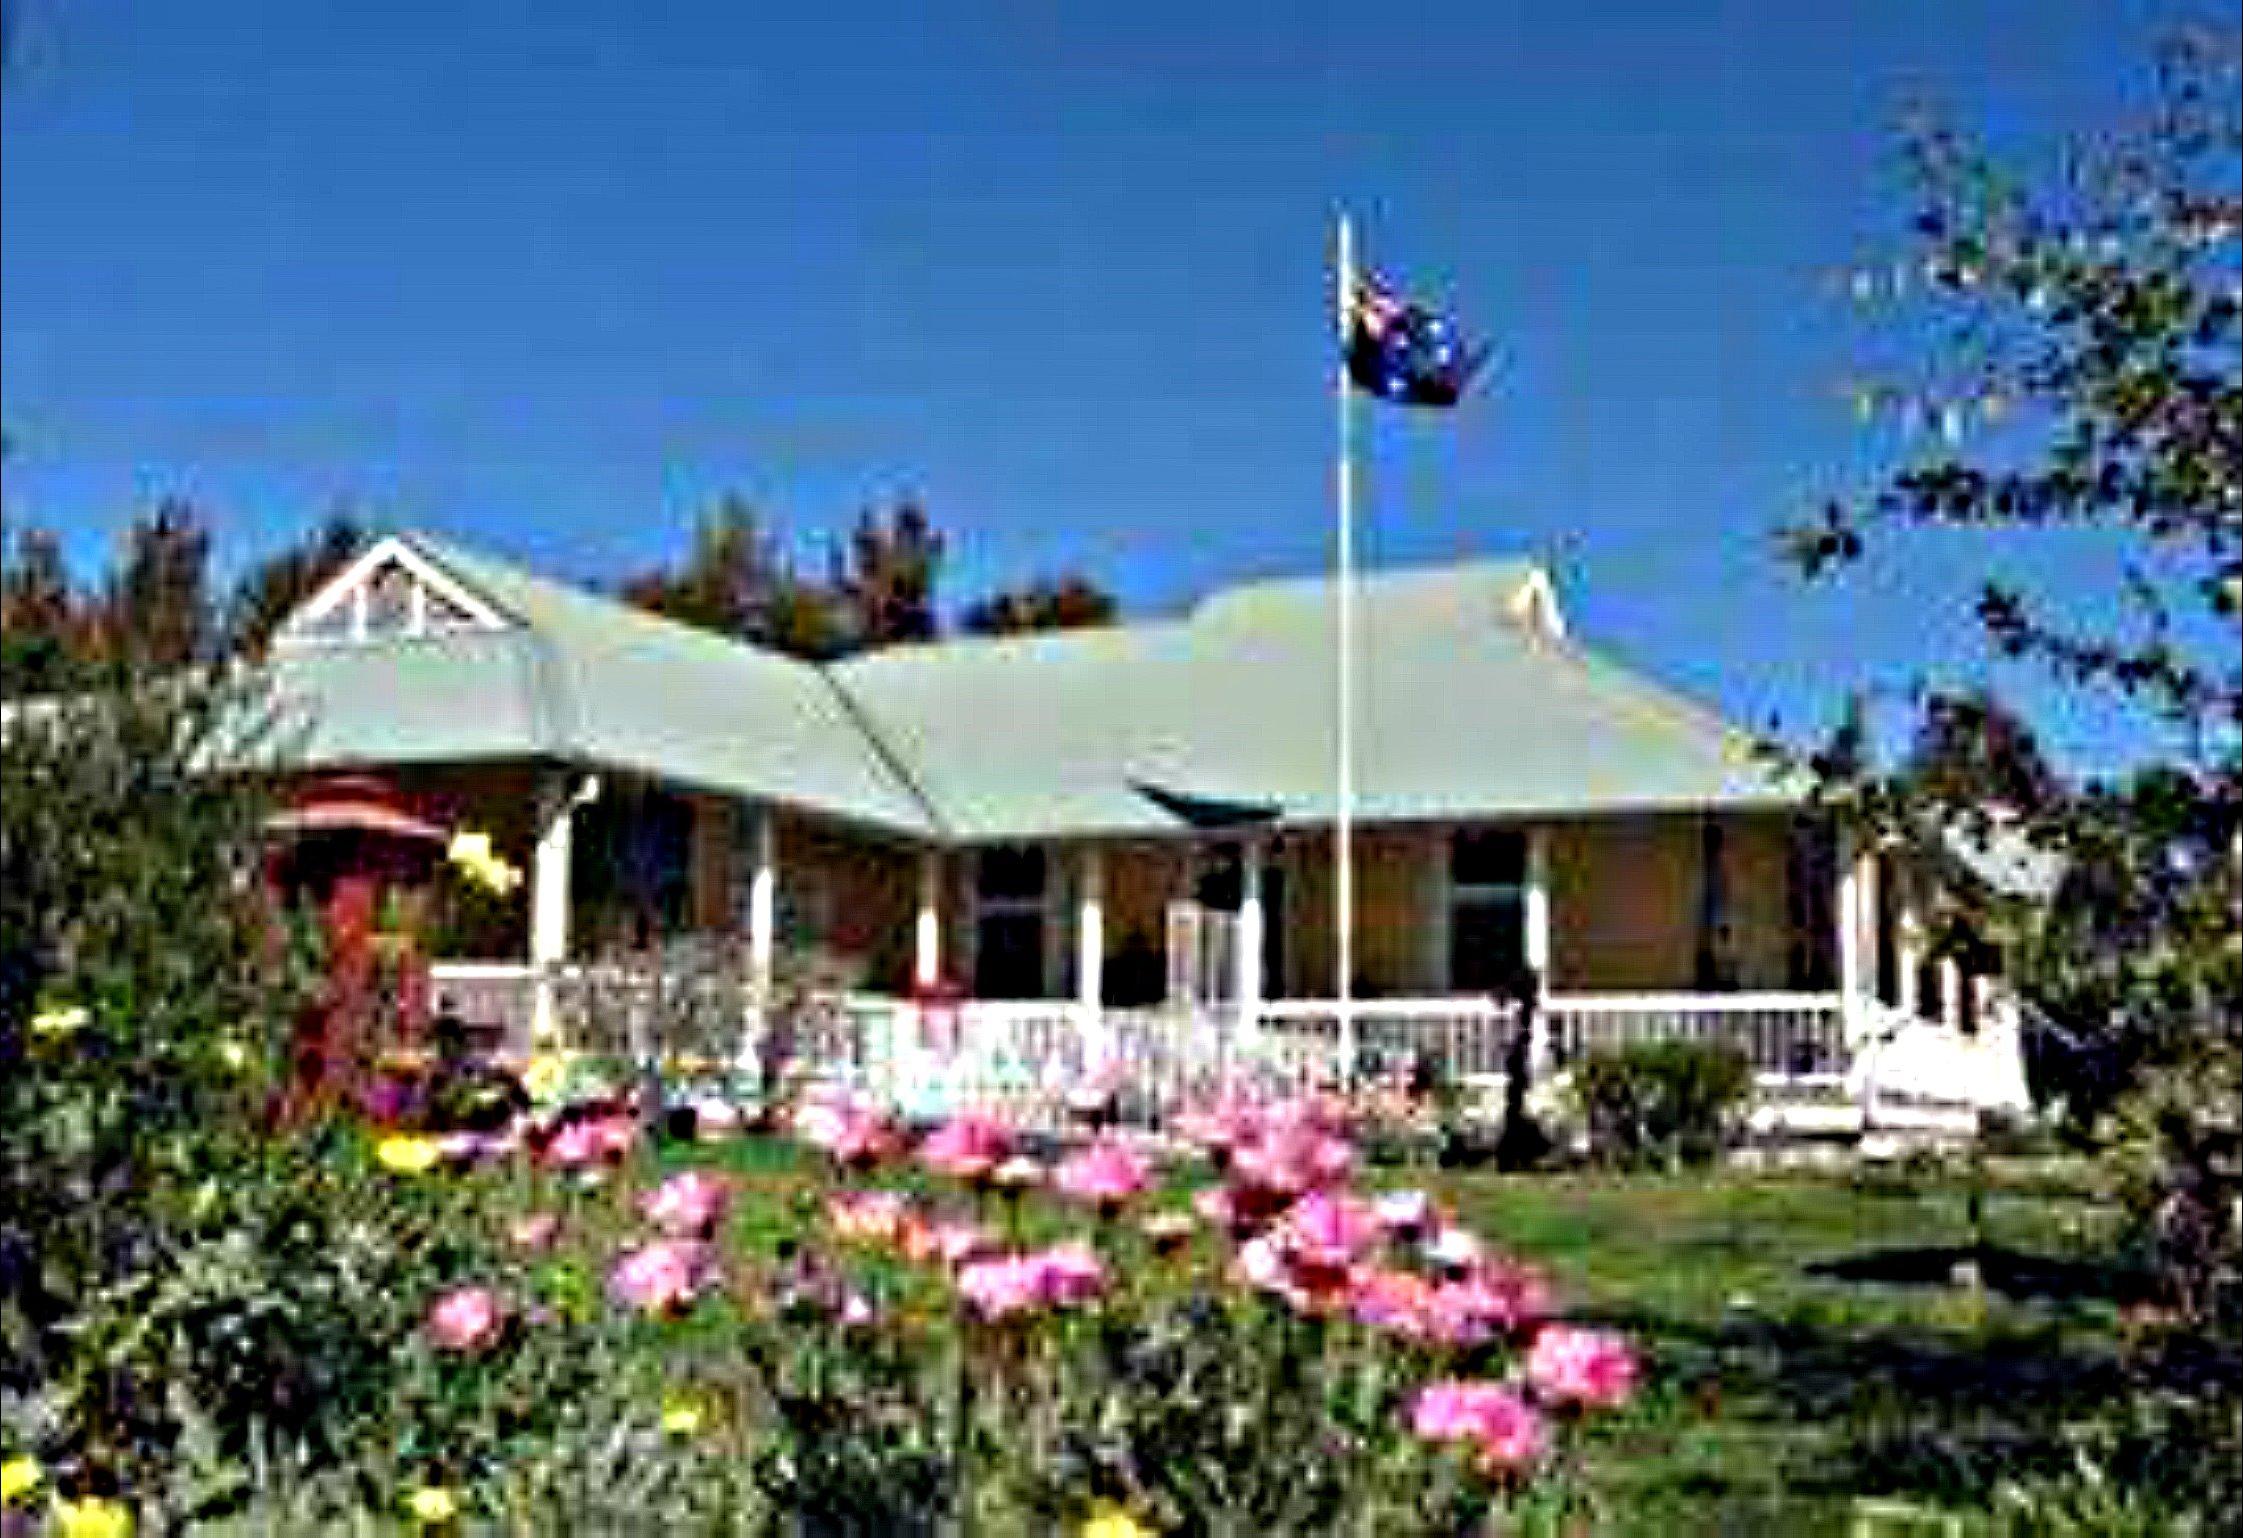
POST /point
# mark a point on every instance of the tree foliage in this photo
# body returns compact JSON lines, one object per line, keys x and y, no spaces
{"x":2088,"y":375}
{"x":1072,"y":602}
{"x":271,"y":590}
{"x":736,"y":581}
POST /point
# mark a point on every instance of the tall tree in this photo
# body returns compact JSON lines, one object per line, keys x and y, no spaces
{"x":270,"y":591}
{"x":42,"y":628}
{"x":727,"y":583}
{"x":2092,"y":375}
{"x":1072,"y":602}
{"x":156,"y":611}
{"x":887,"y":581}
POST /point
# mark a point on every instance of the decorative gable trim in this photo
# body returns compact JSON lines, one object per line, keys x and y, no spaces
{"x":1535,"y":605}
{"x":344,"y":612}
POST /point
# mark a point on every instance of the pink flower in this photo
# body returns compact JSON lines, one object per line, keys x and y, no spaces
{"x":536,"y":1231}
{"x":1069,"y":1272}
{"x":1392,"y":1300}
{"x":466,"y":1319}
{"x":1296,"y":1148}
{"x":687,"y":1205}
{"x":1105,"y":1174}
{"x":1001,"y":1286}
{"x":1584,"y":1367}
{"x":967,"y":1147}
{"x":594,"y":1140}
{"x":1330,"y":1232}
{"x":663,"y":1277}
{"x":1501,"y":1426}
{"x":851,"y":1134}
{"x":1219,"y":1127}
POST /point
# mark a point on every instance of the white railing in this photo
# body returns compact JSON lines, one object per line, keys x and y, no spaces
{"x":1033,"y":1060}
{"x":1785,"y":1035}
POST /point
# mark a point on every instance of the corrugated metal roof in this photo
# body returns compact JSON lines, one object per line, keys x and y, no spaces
{"x":1465,"y":708}
{"x":1470,"y":703}
{"x":585,"y":679}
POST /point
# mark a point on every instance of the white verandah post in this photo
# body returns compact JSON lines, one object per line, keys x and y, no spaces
{"x":763,"y":917}
{"x":926,"y":938}
{"x":1090,"y":956}
{"x":1537,"y":944}
{"x":1252,"y":927}
{"x":558,"y":798}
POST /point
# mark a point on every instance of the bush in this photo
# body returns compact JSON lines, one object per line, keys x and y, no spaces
{"x":1660,"y":1104}
{"x":173,"y":1282}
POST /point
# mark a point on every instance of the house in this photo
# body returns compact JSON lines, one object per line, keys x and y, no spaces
{"x":1084,"y":829}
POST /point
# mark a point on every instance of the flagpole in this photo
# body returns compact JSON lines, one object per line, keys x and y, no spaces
{"x":1343,"y":830}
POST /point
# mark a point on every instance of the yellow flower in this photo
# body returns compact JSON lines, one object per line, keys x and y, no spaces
{"x":407,"y":1155}
{"x":543,"y":1075}
{"x":473,"y":857}
{"x":681,"y":1417}
{"x":432,"y":1504}
{"x":54,"y":1024}
{"x":1109,"y":1521}
{"x":18,"y":1478}
{"x":92,"y":1517}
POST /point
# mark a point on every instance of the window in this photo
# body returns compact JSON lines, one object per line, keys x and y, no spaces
{"x":1811,"y":961}
{"x":1487,"y":909}
{"x":1011,"y":892}
{"x":1887,"y":938}
{"x":389,"y":603}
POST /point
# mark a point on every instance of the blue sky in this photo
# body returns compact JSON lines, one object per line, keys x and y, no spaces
{"x":547,"y":278}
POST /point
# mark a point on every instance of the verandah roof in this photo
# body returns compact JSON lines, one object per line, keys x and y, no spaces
{"x":1471,"y":703}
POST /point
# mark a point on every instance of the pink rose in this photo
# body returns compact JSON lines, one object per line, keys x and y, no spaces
{"x":1584,"y":1367}
{"x":466,"y":1319}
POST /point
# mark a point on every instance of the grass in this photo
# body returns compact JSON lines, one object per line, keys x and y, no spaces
{"x":1809,"y":1348}
{"x":1809,"y":1345}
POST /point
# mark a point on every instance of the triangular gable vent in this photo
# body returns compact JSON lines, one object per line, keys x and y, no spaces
{"x":390,"y":593}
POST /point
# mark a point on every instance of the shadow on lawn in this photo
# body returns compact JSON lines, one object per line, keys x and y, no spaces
{"x":2016,"y":1274}
{"x":1943,"y":1410}
{"x":1930,"y":1413}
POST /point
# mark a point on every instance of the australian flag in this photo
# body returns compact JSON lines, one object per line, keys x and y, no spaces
{"x":1401,"y":351}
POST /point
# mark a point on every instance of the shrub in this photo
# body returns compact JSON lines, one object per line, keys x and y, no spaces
{"x":1661,"y":1103}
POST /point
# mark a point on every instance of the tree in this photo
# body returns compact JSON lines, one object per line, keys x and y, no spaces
{"x":887,"y":581}
{"x":2089,"y":376}
{"x":156,"y":611}
{"x":1072,"y":602}
{"x":42,"y":628}
{"x":880,"y":591}
{"x":270,"y":591}
{"x":727,"y":584}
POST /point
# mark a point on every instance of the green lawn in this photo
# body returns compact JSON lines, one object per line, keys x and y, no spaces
{"x":1807,"y":1348}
